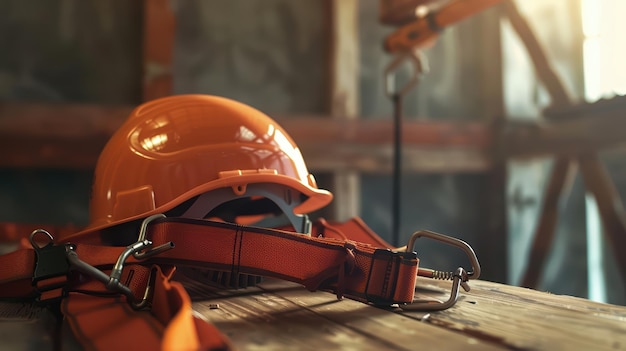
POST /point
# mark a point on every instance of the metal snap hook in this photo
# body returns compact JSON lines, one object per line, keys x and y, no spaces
{"x":112,"y":281}
{"x":137,"y":250}
{"x":471,"y":255}
{"x":459,"y":277}
{"x":419,"y":64}
{"x":151,"y":251}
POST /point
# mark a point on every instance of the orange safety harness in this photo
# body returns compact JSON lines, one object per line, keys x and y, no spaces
{"x":418,"y":30}
{"x":198,"y":157}
{"x":111,"y":294}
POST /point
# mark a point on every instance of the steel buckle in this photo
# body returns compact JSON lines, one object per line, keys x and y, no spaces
{"x":142,"y":249}
{"x":459,"y":277}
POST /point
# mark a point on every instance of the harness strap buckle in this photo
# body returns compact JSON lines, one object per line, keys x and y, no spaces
{"x":51,"y":262}
{"x":58,"y":260}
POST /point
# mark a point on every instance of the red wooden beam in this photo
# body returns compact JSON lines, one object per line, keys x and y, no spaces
{"x":72,"y":136}
{"x":158,"y":46}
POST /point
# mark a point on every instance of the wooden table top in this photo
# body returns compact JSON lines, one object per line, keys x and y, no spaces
{"x":278,"y":315}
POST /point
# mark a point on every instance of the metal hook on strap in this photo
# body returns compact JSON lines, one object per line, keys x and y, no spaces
{"x":112,"y":281}
{"x":471,"y":255}
{"x":142,"y":253}
{"x":459,"y":277}
{"x":419,"y":64}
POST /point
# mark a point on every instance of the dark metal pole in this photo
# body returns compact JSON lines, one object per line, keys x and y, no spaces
{"x":396,"y":96}
{"x":397,"y":168}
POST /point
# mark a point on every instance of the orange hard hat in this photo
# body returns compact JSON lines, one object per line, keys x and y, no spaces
{"x":173,"y":149}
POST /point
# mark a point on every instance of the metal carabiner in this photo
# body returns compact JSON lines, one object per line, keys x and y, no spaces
{"x":141,"y":254}
{"x":459,"y":277}
{"x":419,"y":65}
{"x":112,"y":281}
{"x":136,"y":250}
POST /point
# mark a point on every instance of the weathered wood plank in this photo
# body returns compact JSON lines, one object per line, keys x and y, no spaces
{"x":56,"y":135}
{"x":281,"y":315}
{"x":25,"y":326}
{"x":490,"y":316}
{"x":528,"y":319}
{"x":262,"y":320}
{"x":397,"y":331}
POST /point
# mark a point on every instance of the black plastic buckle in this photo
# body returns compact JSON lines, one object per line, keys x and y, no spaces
{"x":51,"y":261}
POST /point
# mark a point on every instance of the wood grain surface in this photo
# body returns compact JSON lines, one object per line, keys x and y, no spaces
{"x":278,"y":315}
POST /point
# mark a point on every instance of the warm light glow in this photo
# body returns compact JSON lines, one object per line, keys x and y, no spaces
{"x":154,"y":143}
{"x":246,"y":134}
{"x":604,"y":49}
{"x":290,"y":149}
{"x":421,"y":11}
{"x":604,"y":54}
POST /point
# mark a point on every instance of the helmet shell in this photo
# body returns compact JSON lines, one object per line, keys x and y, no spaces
{"x":174,"y":148}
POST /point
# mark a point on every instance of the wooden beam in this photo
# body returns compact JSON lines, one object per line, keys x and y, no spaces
{"x":560,"y":180}
{"x":72,"y":136}
{"x":344,"y":98}
{"x":599,"y":183}
{"x":491,"y":245}
{"x":158,"y":47}
{"x":587,"y":128}
{"x":56,"y":136}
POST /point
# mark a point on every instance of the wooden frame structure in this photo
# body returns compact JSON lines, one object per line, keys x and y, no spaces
{"x":71,"y":136}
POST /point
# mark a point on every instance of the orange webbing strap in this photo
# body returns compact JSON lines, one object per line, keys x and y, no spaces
{"x":423,"y":31}
{"x":109,"y":323}
{"x":353,"y":229}
{"x":103,"y":320}
{"x":356,"y":270}
{"x":347,"y":268}
{"x":17,"y":269}
{"x":359,"y":271}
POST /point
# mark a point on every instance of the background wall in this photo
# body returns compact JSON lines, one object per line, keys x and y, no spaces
{"x":273,"y":54}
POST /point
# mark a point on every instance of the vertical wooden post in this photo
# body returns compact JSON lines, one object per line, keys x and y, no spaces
{"x":158,"y":48}
{"x":343,"y":93}
{"x":491,"y":246}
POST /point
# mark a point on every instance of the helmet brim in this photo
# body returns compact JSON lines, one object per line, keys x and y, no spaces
{"x":315,"y":199}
